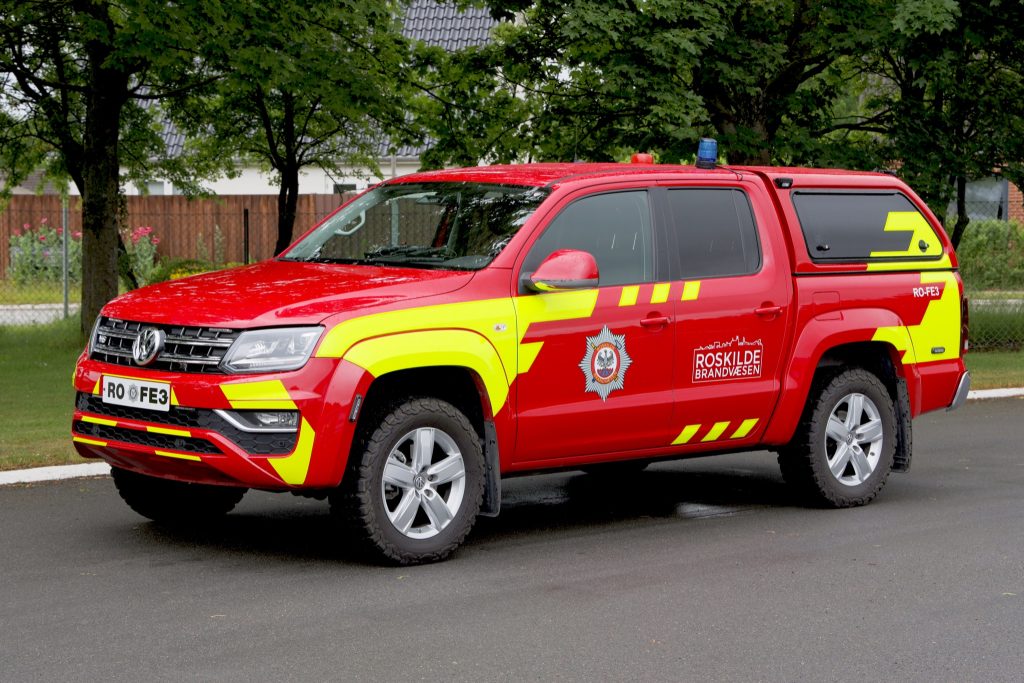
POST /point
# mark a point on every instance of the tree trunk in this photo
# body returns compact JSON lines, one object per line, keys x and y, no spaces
{"x":287,"y":205}
{"x":962,"y":219}
{"x":101,"y":200}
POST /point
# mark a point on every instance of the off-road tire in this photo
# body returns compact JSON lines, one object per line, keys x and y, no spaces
{"x":174,"y":502}
{"x":805,"y":460}
{"x":363,"y":503}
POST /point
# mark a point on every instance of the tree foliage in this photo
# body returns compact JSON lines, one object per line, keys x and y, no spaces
{"x":76,"y":77}
{"x":300,"y":84}
{"x":948,"y":94}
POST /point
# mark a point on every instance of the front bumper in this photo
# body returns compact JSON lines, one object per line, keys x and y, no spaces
{"x":191,"y":442}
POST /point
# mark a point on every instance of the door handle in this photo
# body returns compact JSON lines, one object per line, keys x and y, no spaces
{"x":768,"y":311}
{"x":655,"y":321}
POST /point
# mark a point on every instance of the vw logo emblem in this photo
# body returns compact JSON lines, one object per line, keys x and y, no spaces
{"x":147,"y":345}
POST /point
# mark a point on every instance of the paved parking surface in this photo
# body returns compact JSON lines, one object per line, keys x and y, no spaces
{"x":691,"y":571}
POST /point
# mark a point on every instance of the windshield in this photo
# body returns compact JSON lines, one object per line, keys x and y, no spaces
{"x":457,"y":226}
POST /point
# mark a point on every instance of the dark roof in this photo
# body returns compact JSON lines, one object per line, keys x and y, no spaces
{"x":444,"y":25}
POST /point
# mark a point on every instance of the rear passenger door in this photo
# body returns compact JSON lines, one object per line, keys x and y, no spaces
{"x":733,"y":297}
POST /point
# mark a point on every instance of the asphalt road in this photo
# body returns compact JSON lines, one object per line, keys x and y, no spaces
{"x":694,"y":571}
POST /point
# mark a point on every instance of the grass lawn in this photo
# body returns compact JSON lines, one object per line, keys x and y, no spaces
{"x":36,"y":397}
{"x":37,"y":293}
{"x":996,"y":369}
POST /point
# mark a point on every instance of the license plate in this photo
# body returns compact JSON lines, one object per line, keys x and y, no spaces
{"x":136,"y":393}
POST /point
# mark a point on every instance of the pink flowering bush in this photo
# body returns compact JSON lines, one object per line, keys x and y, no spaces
{"x":141,"y":245}
{"x":37,"y":254}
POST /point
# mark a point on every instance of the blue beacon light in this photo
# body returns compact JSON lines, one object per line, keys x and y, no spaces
{"x":707,"y":153}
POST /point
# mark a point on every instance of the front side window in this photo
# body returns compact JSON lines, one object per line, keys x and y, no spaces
{"x":714,"y":231}
{"x":615,"y":228}
{"x":456,"y":226}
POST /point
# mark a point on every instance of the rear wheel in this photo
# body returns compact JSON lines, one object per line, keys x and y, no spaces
{"x":843,"y":451}
{"x":174,"y":502}
{"x":414,"y":492}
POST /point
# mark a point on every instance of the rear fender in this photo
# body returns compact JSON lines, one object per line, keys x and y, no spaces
{"x":814,"y":341}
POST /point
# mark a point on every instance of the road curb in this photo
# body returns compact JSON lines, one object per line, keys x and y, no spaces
{"x":91,"y":469}
{"x":99,"y":469}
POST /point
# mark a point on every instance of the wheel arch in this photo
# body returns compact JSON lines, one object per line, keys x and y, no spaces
{"x":821,"y":349}
{"x":459,"y":385}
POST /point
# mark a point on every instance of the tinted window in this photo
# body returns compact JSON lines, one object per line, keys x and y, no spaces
{"x":615,"y":228}
{"x":851,"y":226}
{"x":715,"y":232}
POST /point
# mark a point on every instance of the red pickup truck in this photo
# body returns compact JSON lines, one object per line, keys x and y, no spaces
{"x":446,"y":329}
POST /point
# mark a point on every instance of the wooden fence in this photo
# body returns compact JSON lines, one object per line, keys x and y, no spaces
{"x":186,"y":227}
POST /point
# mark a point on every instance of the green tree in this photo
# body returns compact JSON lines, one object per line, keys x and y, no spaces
{"x":948,"y":92}
{"x":595,"y":79}
{"x":301,"y":84}
{"x":76,"y":76}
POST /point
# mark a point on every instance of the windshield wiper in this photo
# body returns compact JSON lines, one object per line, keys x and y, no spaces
{"x":322,"y":259}
{"x":409,"y":251}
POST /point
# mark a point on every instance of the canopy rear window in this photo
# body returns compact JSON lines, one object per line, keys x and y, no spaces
{"x":864,"y":226}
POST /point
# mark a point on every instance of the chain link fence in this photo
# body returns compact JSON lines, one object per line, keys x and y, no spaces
{"x":164,"y":236}
{"x":991,"y":256}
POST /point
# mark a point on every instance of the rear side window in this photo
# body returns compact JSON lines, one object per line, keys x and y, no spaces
{"x":714,"y":231}
{"x":862,"y":226}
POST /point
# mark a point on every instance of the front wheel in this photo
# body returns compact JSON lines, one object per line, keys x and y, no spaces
{"x":414,"y":492}
{"x":843,"y":451}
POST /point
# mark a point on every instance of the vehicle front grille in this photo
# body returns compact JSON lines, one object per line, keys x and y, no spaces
{"x":255,"y":443}
{"x":186,"y":349}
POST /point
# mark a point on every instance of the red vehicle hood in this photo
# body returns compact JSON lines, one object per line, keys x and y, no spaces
{"x":279,"y":292}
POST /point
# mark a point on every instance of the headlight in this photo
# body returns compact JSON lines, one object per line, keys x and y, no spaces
{"x":281,"y":348}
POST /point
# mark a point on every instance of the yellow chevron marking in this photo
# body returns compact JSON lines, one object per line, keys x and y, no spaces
{"x":91,"y":442}
{"x":293,"y":468}
{"x":744,"y":428}
{"x":99,"y":421}
{"x":660,"y":293}
{"x":179,"y":456}
{"x":492,"y":320}
{"x":264,"y":395}
{"x":939,"y":327}
{"x":691,"y":290}
{"x":716,"y":431}
{"x":629,"y":295}
{"x":169,"y":431}
{"x":686,"y":434}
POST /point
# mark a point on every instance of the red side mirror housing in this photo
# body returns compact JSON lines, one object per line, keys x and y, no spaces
{"x":563,"y":270}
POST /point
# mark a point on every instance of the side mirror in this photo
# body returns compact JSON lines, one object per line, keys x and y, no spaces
{"x":564,"y":270}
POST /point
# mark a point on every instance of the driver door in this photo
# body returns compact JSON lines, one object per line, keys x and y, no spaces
{"x":596,"y":364}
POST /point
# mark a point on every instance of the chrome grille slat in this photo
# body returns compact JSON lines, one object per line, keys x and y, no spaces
{"x":186,"y":349}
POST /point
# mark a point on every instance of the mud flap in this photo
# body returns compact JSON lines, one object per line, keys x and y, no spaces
{"x":491,"y":505}
{"x":904,"y":434}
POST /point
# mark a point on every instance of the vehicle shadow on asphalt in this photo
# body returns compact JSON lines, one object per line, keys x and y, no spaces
{"x":586,"y":500}
{"x":289,"y":528}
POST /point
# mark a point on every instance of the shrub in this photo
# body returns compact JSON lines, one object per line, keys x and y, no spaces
{"x":991,"y":255}
{"x":141,"y":244}
{"x":37,"y":254}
